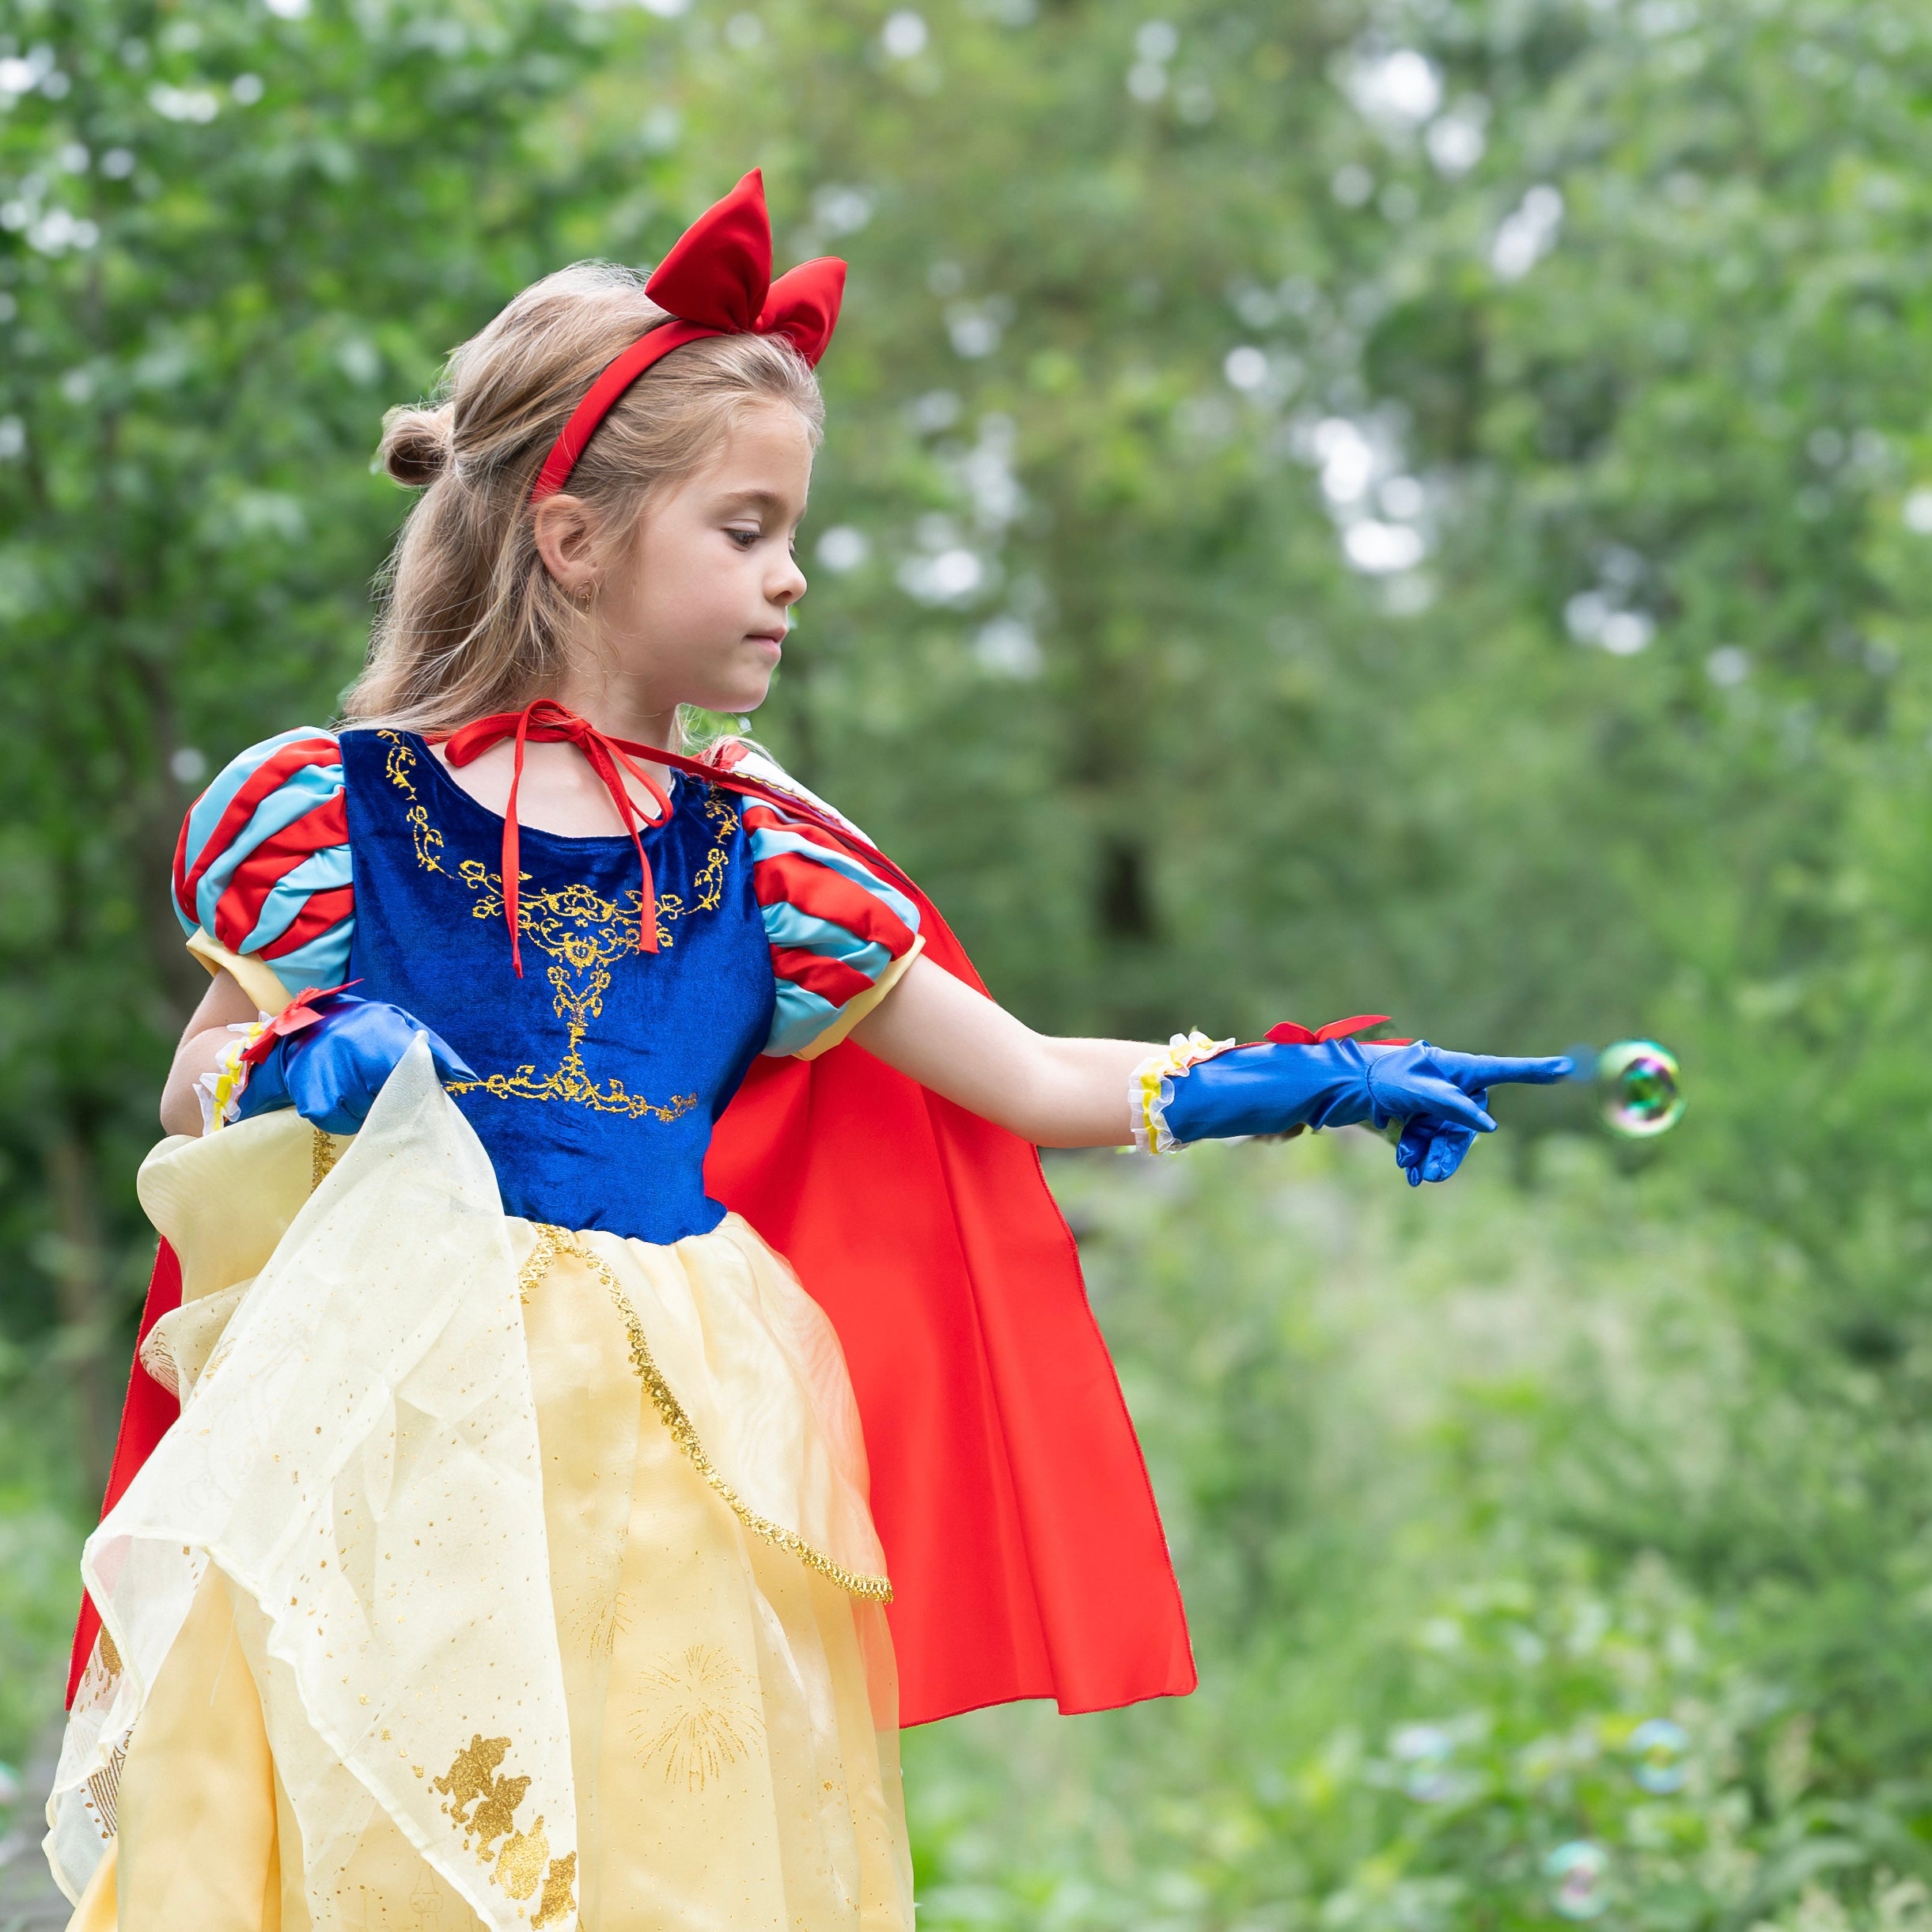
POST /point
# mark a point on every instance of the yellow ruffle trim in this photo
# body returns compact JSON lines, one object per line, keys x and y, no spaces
{"x":1148,"y":1090}
{"x":221,"y":1090}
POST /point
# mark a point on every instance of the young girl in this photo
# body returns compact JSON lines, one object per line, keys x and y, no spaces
{"x":520,"y":1550}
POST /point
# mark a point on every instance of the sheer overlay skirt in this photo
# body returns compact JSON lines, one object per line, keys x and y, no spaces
{"x":494,"y":1573}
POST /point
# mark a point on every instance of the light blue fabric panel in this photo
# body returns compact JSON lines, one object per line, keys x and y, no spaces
{"x":321,"y":871}
{"x":767,"y":844}
{"x":306,"y":788}
{"x":324,"y":961}
{"x":800,"y":1017}
{"x":786,"y":925}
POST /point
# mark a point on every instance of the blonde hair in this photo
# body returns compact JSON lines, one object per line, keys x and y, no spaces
{"x":470,"y":621}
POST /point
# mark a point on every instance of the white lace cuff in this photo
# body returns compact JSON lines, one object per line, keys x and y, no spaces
{"x":1151,"y":1086}
{"x":220,"y":1092}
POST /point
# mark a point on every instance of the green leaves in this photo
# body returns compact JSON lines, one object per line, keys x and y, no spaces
{"x":1420,"y":507}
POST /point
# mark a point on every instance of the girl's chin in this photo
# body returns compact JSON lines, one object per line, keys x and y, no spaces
{"x":734,"y":705}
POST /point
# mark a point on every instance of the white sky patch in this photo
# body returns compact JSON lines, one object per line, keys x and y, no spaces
{"x":1528,"y":234}
{"x":1351,"y":184}
{"x":1403,"y":497}
{"x":1246,"y":367}
{"x":943,"y":577}
{"x":21,"y":73}
{"x":1348,"y":460}
{"x":975,"y":328}
{"x":1592,"y":618}
{"x":841,"y":210}
{"x":987,"y":472}
{"x":904,"y":35}
{"x":1008,"y":648}
{"x":842,"y":548}
{"x":1379,"y":548}
{"x":184,"y":103}
{"x":57,"y":231}
{"x":1380,"y":510}
{"x":1400,"y":89}
{"x":1455,"y":142}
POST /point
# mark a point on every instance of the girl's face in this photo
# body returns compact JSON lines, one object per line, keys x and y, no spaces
{"x":695,"y":609}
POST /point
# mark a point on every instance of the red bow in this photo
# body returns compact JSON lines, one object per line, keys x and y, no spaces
{"x":302,"y":1011}
{"x":1292,"y":1033}
{"x":549,"y":722}
{"x":716,"y":280}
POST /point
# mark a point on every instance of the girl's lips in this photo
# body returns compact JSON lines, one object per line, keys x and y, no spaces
{"x":772,"y":640}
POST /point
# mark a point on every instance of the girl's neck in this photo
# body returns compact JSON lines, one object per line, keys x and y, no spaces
{"x":619,"y":709}
{"x":560,"y":792}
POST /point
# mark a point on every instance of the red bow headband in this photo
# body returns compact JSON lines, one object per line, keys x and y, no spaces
{"x":716,"y":281}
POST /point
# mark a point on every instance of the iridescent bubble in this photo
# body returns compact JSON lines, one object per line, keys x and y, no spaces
{"x":1423,"y":1751}
{"x":1579,"y":1872}
{"x":1660,"y":1747}
{"x":1637,"y":1086}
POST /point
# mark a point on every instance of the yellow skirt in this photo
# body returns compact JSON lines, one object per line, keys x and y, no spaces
{"x":628,"y":1668}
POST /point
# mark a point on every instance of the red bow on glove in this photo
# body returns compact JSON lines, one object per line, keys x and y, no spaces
{"x":299,"y":1013}
{"x":1290,"y":1033}
{"x":716,"y":280}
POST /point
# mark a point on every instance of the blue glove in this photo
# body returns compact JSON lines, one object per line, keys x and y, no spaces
{"x":1271,"y":1089}
{"x":330,"y":1072}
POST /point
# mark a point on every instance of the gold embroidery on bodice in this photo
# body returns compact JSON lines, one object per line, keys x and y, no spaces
{"x":582,"y":935}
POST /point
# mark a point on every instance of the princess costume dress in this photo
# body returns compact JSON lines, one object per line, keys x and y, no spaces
{"x":513,"y":1557}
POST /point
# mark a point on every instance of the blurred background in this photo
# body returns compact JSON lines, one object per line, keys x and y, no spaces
{"x":1421,"y":507}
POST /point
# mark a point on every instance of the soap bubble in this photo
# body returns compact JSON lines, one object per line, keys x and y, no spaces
{"x":1579,"y":1872}
{"x":1637,"y":1080}
{"x":1659,"y":1746}
{"x":1423,"y":1751}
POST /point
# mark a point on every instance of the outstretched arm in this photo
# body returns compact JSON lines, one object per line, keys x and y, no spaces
{"x":1075,"y":1093}
{"x":1055,"y":1093}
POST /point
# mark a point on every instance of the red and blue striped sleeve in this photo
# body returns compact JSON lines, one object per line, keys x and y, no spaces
{"x":840,"y":934}
{"x":263,"y":864}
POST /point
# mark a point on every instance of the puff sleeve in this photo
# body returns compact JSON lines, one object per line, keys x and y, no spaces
{"x":262,"y":880}
{"x":840,"y":935}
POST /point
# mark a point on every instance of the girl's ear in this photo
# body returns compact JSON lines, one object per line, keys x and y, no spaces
{"x":565,"y":530}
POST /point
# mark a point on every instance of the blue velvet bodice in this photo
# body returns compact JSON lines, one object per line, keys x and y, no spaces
{"x":601,"y":1070}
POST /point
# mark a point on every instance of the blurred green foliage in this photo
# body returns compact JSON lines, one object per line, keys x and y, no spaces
{"x":1436,"y":1472}
{"x":1419,"y":505}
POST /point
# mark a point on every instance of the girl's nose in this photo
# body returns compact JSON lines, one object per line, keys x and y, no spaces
{"x":791,"y":586}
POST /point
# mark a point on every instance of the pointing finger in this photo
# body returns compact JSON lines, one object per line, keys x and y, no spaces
{"x":1478,"y":1070}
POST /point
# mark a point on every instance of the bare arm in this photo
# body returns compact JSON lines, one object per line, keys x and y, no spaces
{"x":934,"y":1028}
{"x":207,"y":1034}
{"x":1055,"y":1093}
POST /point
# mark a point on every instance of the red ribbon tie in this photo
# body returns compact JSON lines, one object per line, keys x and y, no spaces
{"x":549,"y":723}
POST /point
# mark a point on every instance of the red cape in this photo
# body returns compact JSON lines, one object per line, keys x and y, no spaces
{"x":145,"y":1416}
{"x":1020,"y":1529}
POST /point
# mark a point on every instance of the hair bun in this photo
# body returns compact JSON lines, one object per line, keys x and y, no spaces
{"x":416,"y":445}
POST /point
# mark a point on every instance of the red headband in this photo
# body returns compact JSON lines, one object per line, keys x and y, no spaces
{"x":716,"y":281}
